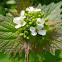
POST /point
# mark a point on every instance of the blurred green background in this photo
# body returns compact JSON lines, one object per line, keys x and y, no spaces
{"x":43,"y":57}
{"x":46,"y":56}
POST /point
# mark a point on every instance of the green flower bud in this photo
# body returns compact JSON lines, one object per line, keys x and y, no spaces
{"x":21,"y":34}
{"x":25,"y":31}
{"x":39,"y":16}
{"x":46,"y":24}
{"x":27,"y":25}
{"x":33,"y":19}
{"x":30,"y":23}
{"x":42,"y":14}
{"x":24,"y":36}
{"x":26,"y":14}
{"x":29,"y":13}
{"x":27,"y":38}
{"x":46,"y":19}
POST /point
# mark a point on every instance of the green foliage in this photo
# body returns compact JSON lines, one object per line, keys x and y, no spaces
{"x":4,"y":57}
{"x":36,"y":2}
{"x":8,"y":34}
{"x":43,"y":57}
{"x":10,"y":4}
{"x":2,"y":10}
{"x":38,"y":57}
{"x":52,"y":11}
{"x":10,"y":42}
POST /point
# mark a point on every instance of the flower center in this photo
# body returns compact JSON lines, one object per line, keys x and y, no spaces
{"x":36,"y":30}
{"x":39,"y":22}
{"x":21,"y":22}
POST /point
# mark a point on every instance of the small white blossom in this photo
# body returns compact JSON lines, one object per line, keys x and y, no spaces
{"x":33,"y":31}
{"x":38,"y":30}
{"x":20,"y":20}
{"x":40,"y":21}
{"x":36,"y":10}
{"x":30,"y":9}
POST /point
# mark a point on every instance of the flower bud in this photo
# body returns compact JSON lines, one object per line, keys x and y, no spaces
{"x":42,"y":14}
{"x":25,"y":31}
{"x":46,"y":19}
{"x":30,"y":23}
{"x":39,"y":16}
{"x":24,"y":36}
{"x":33,"y":17}
{"x":21,"y":34}
{"x":33,"y":20}
{"x":26,"y":14}
{"x":27,"y":38}
{"x":27,"y":25}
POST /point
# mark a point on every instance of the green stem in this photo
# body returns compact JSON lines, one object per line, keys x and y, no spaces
{"x":27,"y":47}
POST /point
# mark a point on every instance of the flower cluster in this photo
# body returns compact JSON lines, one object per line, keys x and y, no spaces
{"x":31,"y":22}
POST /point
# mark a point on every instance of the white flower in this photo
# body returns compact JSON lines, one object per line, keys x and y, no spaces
{"x":33,"y":31}
{"x":20,"y":20}
{"x":36,"y":10}
{"x":40,"y":21}
{"x":30,"y":9}
{"x":38,"y":30}
{"x":22,"y":13}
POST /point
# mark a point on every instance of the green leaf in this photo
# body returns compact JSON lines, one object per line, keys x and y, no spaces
{"x":9,"y":38}
{"x":4,"y":57}
{"x":8,"y":35}
{"x":2,"y":10}
{"x":52,"y":11}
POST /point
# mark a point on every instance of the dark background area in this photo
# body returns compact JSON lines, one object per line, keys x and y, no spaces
{"x":4,"y":4}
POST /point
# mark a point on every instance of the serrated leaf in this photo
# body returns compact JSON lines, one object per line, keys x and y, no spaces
{"x":52,"y":11}
{"x":57,"y":35}
{"x":55,"y":45}
{"x":8,"y":35}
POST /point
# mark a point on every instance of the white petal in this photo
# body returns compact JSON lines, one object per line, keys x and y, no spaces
{"x":23,"y":23}
{"x":38,"y":19}
{"x":16,"y":20}
{"x":32,"y":29}
{"x":18,"y":26}
{"x":21,"y":18}
{"x":22,"y":13}
{"x":27,"y":9}
{"x":37,"y":10}
{"x":42,"y":21}
{"x":42,"y":32}
{"x":39,"y":27}
{"x":30,"y":9}
{"x":34,"y":33}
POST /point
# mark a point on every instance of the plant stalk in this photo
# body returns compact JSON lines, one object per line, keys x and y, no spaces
{"x":27,"y":48}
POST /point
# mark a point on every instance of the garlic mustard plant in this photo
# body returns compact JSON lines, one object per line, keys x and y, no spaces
{"x":31,"y":23}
